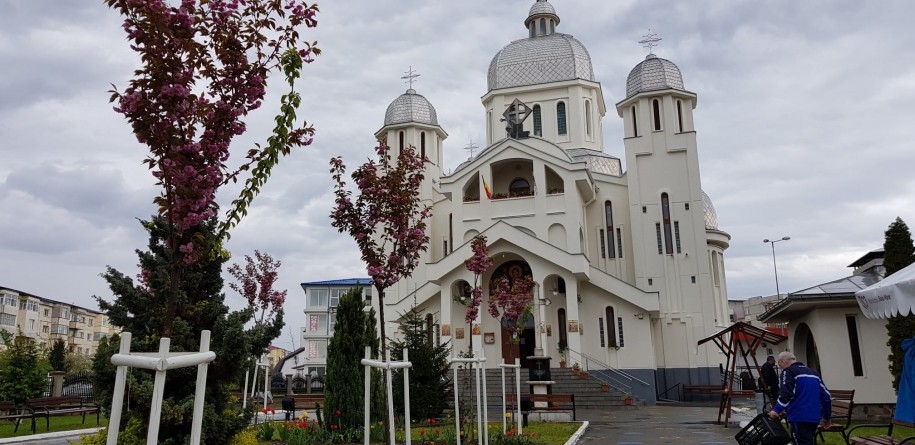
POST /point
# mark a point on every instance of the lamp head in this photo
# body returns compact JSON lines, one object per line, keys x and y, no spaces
{"x":765,"y":240}
{"x":786,"y":238}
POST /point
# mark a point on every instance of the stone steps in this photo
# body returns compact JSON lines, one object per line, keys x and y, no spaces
{"x":588,"y":393}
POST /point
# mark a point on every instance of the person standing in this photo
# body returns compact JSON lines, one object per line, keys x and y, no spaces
{"x":805,"y":398}
{"x":770,"y":378}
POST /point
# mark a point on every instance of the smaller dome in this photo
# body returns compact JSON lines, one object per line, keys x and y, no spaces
{"x":711,"y":217}
{"x":542,"y":7}
{"x":654,"y":73}
{"x":410,"y":107}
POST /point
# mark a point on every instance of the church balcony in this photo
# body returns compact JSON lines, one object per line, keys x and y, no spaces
{"x":471,"y":210}
{"x":512,"y":207}
{"x":555,"y":203}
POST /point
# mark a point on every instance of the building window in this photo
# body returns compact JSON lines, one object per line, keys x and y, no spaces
{"x":600,"y":324}
{"x":611,"y":332}
{"x":368,"y":293}
{"x":852,"y":323}
{"x":400,"y":148}
{"x":533,"y":28}
{"x":644,"y":209}
{"x":680,"y":116}
{"x":430,"y":322}
{"x":715,"y":269}
{"x":47,"y":312}
{"x":9,"y":300}
{"x":561,"y":118}
{"x":686,"y":206}
{"x":650,"y":282}
{"x":619,"y":322}
{"x":8,"y":319}
{"x":336,"y":295}
{"x":657,"y":229}
{"x":635,"y":124}
{"x":318,"y":298}
{"x":693,"y":279}
{"x":538,"y":123}
{"x":317,"y":323}
{"x":619,"y":242}
{"x":542,"y":26}
{"x":91,"y":321}
{"x":88,"y":351}
{"x":79,"y":350}
{"x":588,"y":118}
{"x":603,"y":248}
{"x":563,"y":334}
{"x":552,"y":26}
{"x":656,"y":107}
{"x":677,"y":234}
{"x":608,"y":213}
{"x":45,"y":329}
{"x":450,"y":232}
{"x":518,"y":186}
{"x":317,"y":349}
{"x":422,"y":146}
{"x":665,"y":213}
{"x":105,"y":322}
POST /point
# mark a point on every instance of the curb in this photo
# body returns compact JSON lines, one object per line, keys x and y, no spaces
{"x":55,"y":435}
{"x":578,"y":434}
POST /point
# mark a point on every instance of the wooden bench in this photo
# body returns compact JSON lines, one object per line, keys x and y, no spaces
{"x":12,"y":412}
{"x":302,"y":402}
{"x":60,"y":406}
{"x":711,"y":390}
{"x":842,"y":405}
{"x":555,"y":402}
{"x":881,"y":440}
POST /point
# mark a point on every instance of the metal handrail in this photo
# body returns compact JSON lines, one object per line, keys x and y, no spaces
{"x":630,"y":377}
{"x":678,"y":387}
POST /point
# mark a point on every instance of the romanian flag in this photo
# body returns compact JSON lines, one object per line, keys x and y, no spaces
{"x":486,"y":187}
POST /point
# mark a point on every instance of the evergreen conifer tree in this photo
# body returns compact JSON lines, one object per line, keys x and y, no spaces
{"x":58,"y":355}
{"x":899,"y":252}
{"x":429,"y":374}
{"x":23,"y":369}
{"x":141,"y":310}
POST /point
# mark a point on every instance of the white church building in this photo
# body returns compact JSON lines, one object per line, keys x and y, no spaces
{"x":629,"y":265}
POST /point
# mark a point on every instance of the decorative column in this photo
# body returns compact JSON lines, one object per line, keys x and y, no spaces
{"x":445,"y":321}
{"x":572,"y":316}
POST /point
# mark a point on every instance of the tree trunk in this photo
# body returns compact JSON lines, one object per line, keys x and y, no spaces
{"x":384,"y":354}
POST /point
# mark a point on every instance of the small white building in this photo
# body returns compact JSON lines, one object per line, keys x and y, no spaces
{"x":828,"y":332}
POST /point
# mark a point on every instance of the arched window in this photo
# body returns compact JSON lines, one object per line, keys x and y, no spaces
{"x":400,"y":148}
{"x":542,"y":26}
{"x":665,"y":213}
{"x":563,"y":335}
{"x":422,"y":146}
{"x":489,"y":126}
{"x":533,"y":29}
{"x":518,"y":187}
{"x":561,"y":118}
{"x":588,"y":118}
{"x":538,"y":124}
{"x":680,"y":116}
{"x":657,"y":114}
{"x":608,"y":211}
{"x":611,"y":327}
{"x":552,"y":26}
{"x":635,"y":124}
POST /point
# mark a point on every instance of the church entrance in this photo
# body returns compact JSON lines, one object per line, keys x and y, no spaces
{"x":522,"y":349}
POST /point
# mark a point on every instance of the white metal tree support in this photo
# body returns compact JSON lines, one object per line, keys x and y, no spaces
{"x":517,"y":367}
{"x":244,"y":393}
{"x":387,"y":366}
{"x":479,"y":364}
{"x":266,"y":365}
{"x":160,"y":362}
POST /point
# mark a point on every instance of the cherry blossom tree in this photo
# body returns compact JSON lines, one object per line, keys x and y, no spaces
{"x":255,"y":283}
{"x":204,"y":67}
{"x":513,"y":303}
{"x":387,"y":218}
{"x":478,"y":263}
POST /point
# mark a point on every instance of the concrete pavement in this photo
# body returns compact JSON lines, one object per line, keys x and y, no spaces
{"x":656,"y":425}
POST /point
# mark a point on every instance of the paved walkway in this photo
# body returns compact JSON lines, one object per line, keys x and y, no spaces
{"x":656,"y":425}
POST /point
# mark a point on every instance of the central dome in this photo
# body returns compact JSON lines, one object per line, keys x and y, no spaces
{"x":542,"y":59}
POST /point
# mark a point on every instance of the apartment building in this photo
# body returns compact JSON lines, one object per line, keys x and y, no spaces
{"x":44,"y":321}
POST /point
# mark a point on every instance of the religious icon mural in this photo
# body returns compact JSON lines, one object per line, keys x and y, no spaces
{"x":513,"y":270}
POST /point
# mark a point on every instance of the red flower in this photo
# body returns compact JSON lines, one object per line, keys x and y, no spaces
{"x":333,"y":427}
{"x":437,"y":433}
{"x":395,"y":419}
{"x":433,"y":421}
{"x":533,"y":434}
{"x":337,"y":412}
{"x":422,"y":432}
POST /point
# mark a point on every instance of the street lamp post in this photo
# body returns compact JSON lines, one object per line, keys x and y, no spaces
{"x":778,"y":294}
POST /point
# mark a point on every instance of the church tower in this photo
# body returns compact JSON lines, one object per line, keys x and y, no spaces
{"x":668,"y":220}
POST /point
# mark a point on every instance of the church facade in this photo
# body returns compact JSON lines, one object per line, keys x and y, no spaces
{"x":628,"y":265}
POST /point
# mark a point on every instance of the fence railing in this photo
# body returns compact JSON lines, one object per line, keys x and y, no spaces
{"x":616,"y":378}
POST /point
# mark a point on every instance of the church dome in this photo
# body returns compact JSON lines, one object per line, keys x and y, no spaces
{"x":541,"y":59}
{"x":542,"y":7}
{"x":654,"y":73}
{"x":711,"y":217}
{"x":410,"y":107}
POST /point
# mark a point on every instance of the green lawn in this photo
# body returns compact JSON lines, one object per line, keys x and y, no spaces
{"x":898,"y":432}
{"x":59,"y":423}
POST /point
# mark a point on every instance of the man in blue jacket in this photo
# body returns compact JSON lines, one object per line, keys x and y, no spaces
{"x":804,"y":396}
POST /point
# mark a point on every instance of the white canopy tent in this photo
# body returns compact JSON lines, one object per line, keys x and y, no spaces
{"x":890,"y":297}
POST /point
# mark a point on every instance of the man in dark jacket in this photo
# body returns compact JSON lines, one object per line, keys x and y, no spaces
{"x":804,"y":396}
{"x":770,"y":378}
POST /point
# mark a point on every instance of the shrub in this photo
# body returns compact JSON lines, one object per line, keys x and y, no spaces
{"x":23,"y":370}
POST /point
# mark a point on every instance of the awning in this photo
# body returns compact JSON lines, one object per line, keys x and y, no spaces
{"x":894,"y":295}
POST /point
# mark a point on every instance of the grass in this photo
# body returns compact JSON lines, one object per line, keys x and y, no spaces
{"x":58,"y":423}
{"x":898,"y":432}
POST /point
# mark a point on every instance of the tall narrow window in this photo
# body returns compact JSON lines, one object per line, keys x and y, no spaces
{"x":533,"y":28}
{"x":400,"y":147}
{"x":561,"y":317}
{"x":603,"y":248}
{"x":680,"y":116}
{"x":608,"y":212}
{"x":538,"y":123}
{"x":422,"y":146}
{"x":635,"y":124}
{"x":657,"y":114}
{"x":451,"y":230}
{"x":600,"y":322}
{"x":489,"y":125}
{"x":853,"y":342}
{"x":657,"y":229}
{"x":611,"y":331}
{"x":665,"y":212}
{"x":620,"y":324}
{"x":552,"y":26}
{"x":542,"y":26}
{"x":677,"y":234}
{"x":619,"y":242}
{"x":561,"y":118}
{"x":588,"y":118}
{"x":429,"y":328}
{"x":444,"y":248}
{"x":715,"y":268}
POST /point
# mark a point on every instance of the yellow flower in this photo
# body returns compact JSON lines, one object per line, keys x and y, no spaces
{"x":373,"y":426}
{"x":381,"y":423}
{"x":508,"y":415}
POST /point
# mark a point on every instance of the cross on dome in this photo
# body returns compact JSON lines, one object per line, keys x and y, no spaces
{"x":410,"y":76}
{"x":650,"y":41}
{"x":471,"y":147}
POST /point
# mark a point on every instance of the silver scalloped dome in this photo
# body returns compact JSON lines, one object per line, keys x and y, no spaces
{"x":711,"y":217}
{"x":541,"y":7}
{"x":410,"y":107}
{"x":654,"y":73}
{"x":542,"y":59}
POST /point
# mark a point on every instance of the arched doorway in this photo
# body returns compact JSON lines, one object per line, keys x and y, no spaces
{"x":805,"y":347}
{"x":523,"y":346}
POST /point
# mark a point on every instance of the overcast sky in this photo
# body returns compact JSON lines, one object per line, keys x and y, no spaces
{"x":804,"y":121}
